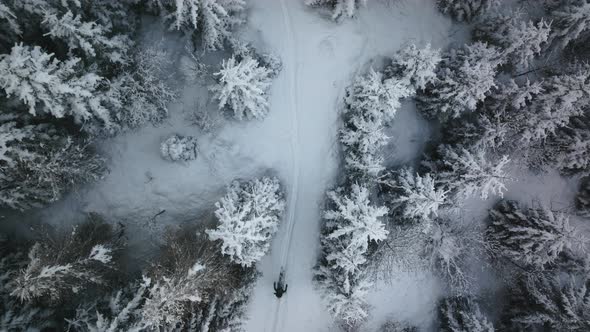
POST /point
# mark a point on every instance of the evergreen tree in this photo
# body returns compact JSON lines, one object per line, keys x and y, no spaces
{"x":464,"y":79}
{"x":248,"y":216}
{"x":351,"y":225}
{"x":533,"y":236}
{"x":89,"y":37}
{"x":468,"y":174}
{"x":47,"y":85}
{"x":546,"y":302}
{"x":66,"y":264}
{"x":520,"y":40}
{"x":460,"y":314}
{"x":570,"y":20}
{"x":569,"y":149}
{"x":416,"y":196}
{"x":242,"y":87}
{"x":212,"y":19}
{"x":39,"y":165}
{"x":467,"y":10}
{"x":416,"y":65}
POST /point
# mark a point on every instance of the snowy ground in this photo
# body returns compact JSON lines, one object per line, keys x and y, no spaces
{"x":298,"y":141}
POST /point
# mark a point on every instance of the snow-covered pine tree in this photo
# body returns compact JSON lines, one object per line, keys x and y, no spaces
{"x":564,"y":96}
{"x":87,"y":36}
{"x":415,"y":65}
{"x":351,"y":224}
{"x":531,"y":236}
{"x":120,"y":311}
{"x":569,"y":149}
{"x":213,"y":20}
{"x":499,"y":121}
{"x":191,"y":286}
{"x":242,"y":87}
{"x":376,"y":96}
{"x":39,"y":165}
{"x":370,"y":101}
{"x":461,"y":314}
{"x":467,"y":10}
{"x":345,"y":295}
{"x":139,"y":95}
{"x":583,"y":197}
{"x":520,"y":40}
{"x":248,"y":216}
{"x":47,"y":85}
{"x":570,"y":20}
{"x":464,"y":78}
{"x":9,"y":26}
{"x":225,"y":312}
{"x":551,"y":303}
{"x":340,"y":8}
{"x":16,"y":315}
{"x":418,"y":197}
{"x":65,"y":264}
{"x":179,"y":148}
{"x":468,"y":174}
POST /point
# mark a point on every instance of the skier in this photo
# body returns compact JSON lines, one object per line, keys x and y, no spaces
{"x":278,"y":286}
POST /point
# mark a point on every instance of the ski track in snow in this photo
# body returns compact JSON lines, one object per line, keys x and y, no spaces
{"x":292,"y":73}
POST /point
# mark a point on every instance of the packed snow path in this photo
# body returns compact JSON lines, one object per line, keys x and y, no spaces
{"x":319,"y":59}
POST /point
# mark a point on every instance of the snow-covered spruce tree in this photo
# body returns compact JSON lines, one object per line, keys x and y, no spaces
{"x":464,"y":78}
{"x":550,"y":303}
{"x":16,"y":315}
{"x":179,"y":148}
{"x":211,"y":20}
{"x":571,"y":18}
{"x":119,"y":312}
{"x":415,"y":196}
{"x":248,"y":216}
{"x":529,"y":236}
{"x":370,"y":101}
{"x":190,"y":287}
{"x":139,"y":95}
{"x":569,"y":149}
{"x":47,"y":85}
{"x":190,"y":272}
{"x":564,"y":96}
{"x":87,"y":36}
{"x":499,"y":121}
{"x":394,"y":326}
{"x":38,"y":165}
{"x":520,"y":40}
{"x":470,"y":174}
{"x":461,"y":314}
{"x":64,"y":265}
{"x":242,"y":87}
{"x":345,"y":295}
{"x":351,"y":225}
{"x":467,"y":10}
{"x":416,"y":65}
{"x":583,"y":197}
{"x":340,"y":8}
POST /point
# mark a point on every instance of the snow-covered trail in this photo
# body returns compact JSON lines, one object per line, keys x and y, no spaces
{"x":319,"y":59}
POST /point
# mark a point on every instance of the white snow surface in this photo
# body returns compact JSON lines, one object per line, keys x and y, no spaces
{"x":297,"y":140}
